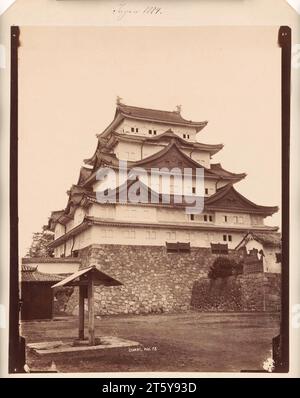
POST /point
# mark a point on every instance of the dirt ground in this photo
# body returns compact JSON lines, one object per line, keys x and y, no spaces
{"x":189,"y":342}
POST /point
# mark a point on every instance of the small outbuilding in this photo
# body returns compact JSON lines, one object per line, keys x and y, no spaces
{"x":36,"y":293}
{"x":267,"y":246}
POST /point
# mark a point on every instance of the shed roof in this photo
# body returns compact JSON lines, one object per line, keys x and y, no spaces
{"x":31,"y":274}
{"x":269,"y":239}
{"x":99,"y":278}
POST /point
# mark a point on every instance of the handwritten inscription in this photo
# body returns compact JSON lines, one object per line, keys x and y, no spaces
{"x":124,"y":10}
{"x":140,"y":349}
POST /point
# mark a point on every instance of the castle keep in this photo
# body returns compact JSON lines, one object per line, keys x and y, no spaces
{"x":156,"y":249}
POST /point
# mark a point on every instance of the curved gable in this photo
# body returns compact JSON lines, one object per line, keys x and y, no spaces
{"x":230,"y":199}
{"x":171,"y":156}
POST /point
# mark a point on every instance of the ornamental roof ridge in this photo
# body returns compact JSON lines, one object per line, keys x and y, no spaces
{"x":156,"y":114}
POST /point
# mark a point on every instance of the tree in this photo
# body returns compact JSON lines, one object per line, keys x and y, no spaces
{"x":39,"y":245}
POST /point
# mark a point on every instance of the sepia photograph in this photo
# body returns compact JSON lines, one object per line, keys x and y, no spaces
{"x":150,"y":198}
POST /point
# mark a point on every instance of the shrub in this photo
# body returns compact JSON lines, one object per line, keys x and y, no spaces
{"x":223,"y":267}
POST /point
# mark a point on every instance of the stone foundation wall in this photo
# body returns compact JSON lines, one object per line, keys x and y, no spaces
{"x":154,"y":281}
{"x":246,"y":292}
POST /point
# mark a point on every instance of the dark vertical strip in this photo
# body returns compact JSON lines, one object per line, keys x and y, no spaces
{"x":284,"y":40}
{"x":14,"y":341}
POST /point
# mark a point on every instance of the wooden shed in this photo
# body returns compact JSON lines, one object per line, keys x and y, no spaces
{"x":36,"y":293}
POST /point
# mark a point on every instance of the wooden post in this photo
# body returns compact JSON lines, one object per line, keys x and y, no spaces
{"x":81,"y":312}
{"x":91,"y":310}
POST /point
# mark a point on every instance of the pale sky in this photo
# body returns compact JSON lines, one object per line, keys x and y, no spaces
{"x":69,"y":79}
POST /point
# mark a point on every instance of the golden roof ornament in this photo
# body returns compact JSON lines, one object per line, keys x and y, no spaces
{"x":178,"y":108}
